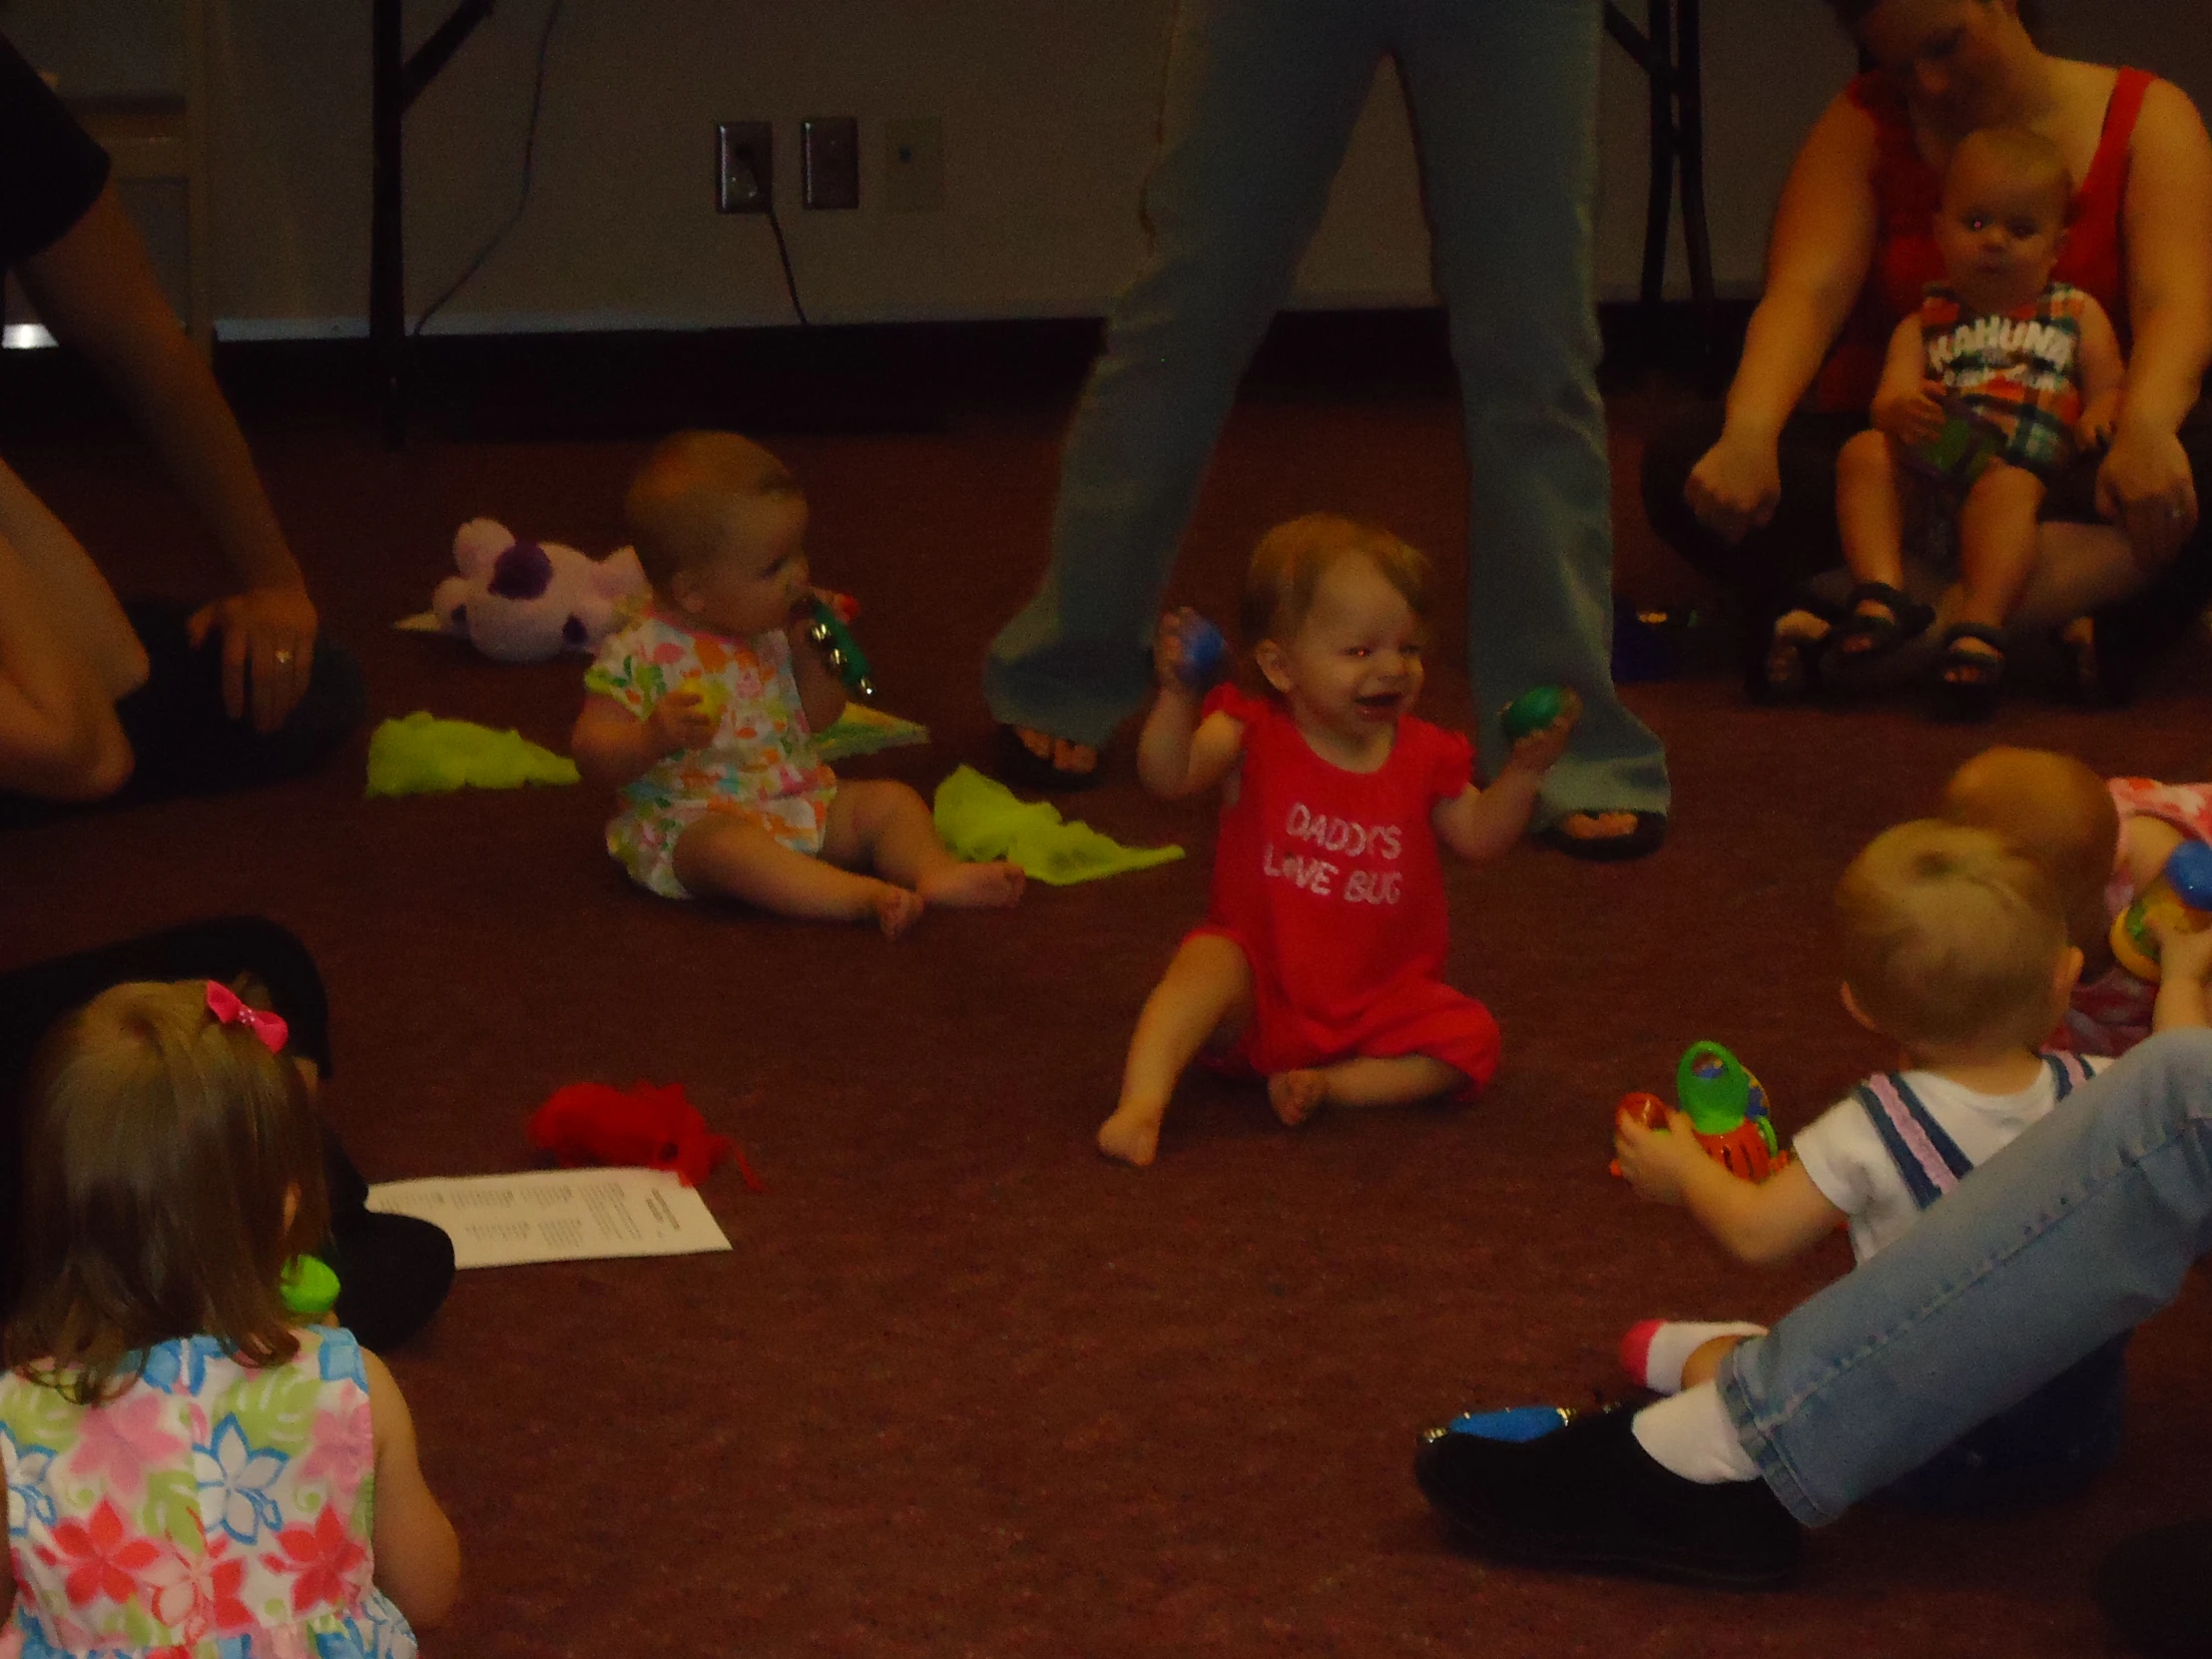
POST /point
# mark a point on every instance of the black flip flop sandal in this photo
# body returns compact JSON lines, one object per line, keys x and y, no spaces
{"x":1018,"y":763}
{"x":1967,"y":682}
{"x":1647,"y":837}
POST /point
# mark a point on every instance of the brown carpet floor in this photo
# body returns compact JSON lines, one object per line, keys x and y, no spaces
{"x":963,"y":1387}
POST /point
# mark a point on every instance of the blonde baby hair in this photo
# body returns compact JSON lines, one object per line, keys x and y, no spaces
{"x":1950,"y":935}
{"x":161,"y":1150}
{"x":680,"y":504}
{"x":1292,"y":558}
{"x":2023,"y":154}
{"x":2057,"y":811}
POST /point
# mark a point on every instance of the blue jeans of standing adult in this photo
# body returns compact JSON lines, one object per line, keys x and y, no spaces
{"x":2075,"y":1232}
{"x":1262,"y":96}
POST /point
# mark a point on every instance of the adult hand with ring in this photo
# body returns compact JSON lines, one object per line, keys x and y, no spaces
{"x":2145,"y":488}
{"x":268,"y":637}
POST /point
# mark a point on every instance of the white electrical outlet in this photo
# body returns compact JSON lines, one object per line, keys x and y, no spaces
{"x":913,"y":165}
{"x":745,"y":167}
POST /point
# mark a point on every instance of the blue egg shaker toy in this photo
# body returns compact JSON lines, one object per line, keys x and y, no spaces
{"x":1204,"y":657}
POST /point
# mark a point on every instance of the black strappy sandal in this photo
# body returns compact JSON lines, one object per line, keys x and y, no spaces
{"x":1860,"y":640}
{"x":1967,"y":682}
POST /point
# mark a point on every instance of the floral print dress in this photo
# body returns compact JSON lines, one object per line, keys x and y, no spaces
{"x":761,"y":766}
{"x":209,"y":1510}
{"x":2112,"y":1014}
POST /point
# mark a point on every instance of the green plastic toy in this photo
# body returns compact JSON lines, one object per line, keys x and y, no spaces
{"x":1532,"y":711}
{"x":309,"y":1287}
{"x":1713,"y":1087}
{"x":2181,"y":892}
{"x":1727,"y":1108}
{"x":1963,"y":447}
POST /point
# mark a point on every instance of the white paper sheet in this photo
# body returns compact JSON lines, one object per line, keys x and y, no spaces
{"x":565,"y":1215}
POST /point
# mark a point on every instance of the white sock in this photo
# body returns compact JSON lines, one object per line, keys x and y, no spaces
{"x":1693,"y":1435}
{"x":1654,"y":1352}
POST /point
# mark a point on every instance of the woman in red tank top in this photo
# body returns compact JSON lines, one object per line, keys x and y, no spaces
{"x":1745,"y":492}
{"x":1906,"y":190}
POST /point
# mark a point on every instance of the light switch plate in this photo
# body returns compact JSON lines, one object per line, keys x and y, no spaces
{"x":830,"y":161}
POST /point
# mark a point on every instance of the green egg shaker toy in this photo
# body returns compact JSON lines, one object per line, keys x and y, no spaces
{"x":309,"y":1287}
{"x":1532,"y":711}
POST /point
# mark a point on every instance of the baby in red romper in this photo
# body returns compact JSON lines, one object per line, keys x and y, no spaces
{"x":1318,"y":966}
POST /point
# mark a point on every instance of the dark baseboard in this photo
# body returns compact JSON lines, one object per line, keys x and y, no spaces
{"x":876,"y":377}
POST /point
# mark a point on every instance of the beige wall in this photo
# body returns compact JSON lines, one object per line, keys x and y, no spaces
{"x":1048,"y":107}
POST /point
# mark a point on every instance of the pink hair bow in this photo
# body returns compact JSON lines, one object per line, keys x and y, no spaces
{"x":230,"y":1010}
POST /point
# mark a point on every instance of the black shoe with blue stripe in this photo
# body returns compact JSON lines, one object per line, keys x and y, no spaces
{"x":1551,"y":1488}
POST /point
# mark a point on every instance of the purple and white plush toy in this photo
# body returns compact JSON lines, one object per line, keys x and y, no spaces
{"x":526,"y":601}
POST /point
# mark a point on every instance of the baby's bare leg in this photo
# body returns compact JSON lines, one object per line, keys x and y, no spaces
{"x":729,"y":858}
{"x":1870,"y":508}
{"x":1996,"y":543}
{"x":1398,"y":1080}
{"x":1205,"y":991}
{"x":886,"y":827}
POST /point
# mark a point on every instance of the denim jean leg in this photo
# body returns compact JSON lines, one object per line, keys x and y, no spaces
{"x":1504,"y":104}
{"x":2041,"y":1449}
{"x":1261,"y":100}
{"x":2081,"y":1227}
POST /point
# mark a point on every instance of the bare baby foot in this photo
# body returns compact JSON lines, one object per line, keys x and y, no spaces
{"x":1297,"y":1095}
{"x":896,"y":908}
{"x":975,"y":886}
{"x":1132,"y":1134}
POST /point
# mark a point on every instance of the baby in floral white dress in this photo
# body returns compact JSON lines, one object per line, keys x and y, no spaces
{"x":701,"y":712}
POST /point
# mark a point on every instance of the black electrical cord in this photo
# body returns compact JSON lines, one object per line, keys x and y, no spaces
{"x":783,"y":253}
{"x":530,"y":174}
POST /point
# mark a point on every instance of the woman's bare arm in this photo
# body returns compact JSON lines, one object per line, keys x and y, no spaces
{"x":95,"y":288}
{"x":2166,"y":220}
{"x":1817,"y":257}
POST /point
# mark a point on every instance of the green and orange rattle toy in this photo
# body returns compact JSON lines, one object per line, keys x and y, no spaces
{"x":1727,"y":1108}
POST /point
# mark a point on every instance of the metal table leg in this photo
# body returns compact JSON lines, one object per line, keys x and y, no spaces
{"x":1667,"y":50}
{"x":395,"y":82}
